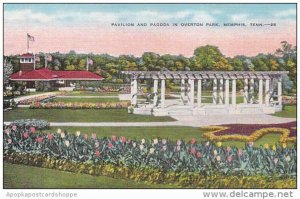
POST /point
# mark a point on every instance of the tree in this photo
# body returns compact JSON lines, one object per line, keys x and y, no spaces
{"x":209,"y":58}
{"x":7,"y":70}
{"x":287,"y":51}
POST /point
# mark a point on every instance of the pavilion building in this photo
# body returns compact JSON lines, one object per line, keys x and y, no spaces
{"x":30,"y":76}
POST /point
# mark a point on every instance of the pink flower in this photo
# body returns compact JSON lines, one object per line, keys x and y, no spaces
{"x":251,"y":144}
{"x":193,"y":141}
{"x":97,"y":144}
{"x":229,"y":158}
{"x":240,"y":152}
{"x":110,"y":145}
{"x":85,"y":136}
{"x":123,"y":139}
{"x":6,"y":131}
{"x":228,"y":149}
{"x":94,"y":136}
{"x":9,"y":141}
{"x":198,"y":154}
{"x":114,"y":138}
{"x":97,"y":153}
{"x":25,"y":135}
{"x":50,"y":136}
{"x":193,"y":150}
{"x":39,"y":139}
{"x":14,"y":127}
{"x":32,"y":129}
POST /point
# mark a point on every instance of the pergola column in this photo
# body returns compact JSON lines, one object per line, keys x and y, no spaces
{"x":227,"y":92}
{"x":245,"y":91}
{"x":267,"y":92}
{"x":199,"y":92}
{"x":233,"y":92}
{"x":260,"y":91}
{"x":192,"y":91}
{"x":133,"y":92}
{"x":182,"y":90}
{"x":155,"y":92}
{"x":215,"y":88}
{"x":251,"y":97}
{"x":163,"y":93}
{"x":279,"y":90}
{"x":221,"y":93}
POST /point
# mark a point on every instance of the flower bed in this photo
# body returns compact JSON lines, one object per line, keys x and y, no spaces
{"x":79,"y":105}
{"x":250,"y":133}
{"x":205,"y":159}
{"x":35,"y":99}
{"x":34,"y":123}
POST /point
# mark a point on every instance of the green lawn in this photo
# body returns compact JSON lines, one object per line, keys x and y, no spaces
{"x":21,"y":176}
{"x":89,"y":93}
{"x":78,"y":115}
{"x":170,"y":133}
{"x":290,"y":111}
{"x":90,"y":100}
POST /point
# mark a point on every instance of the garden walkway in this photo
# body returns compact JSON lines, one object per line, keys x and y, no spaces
{"x":190,"y":121}
{"x":17,"y":99}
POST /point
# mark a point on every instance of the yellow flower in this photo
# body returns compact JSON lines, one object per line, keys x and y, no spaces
{"x":274,"y":148}
{"x":266,"y":146}
{"x":284,"y":145}
{"x":219,"y":144}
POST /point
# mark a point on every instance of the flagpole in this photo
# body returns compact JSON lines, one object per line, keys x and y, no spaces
{"x":27,"y":43}
{"x":33,"y":61}
{"x":46,"y":61}
{"x":87,"y":64}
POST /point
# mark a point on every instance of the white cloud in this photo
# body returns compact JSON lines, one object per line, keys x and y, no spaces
{"x":286,"y":13}
{"x":239,"y":17}
{"x":203,"y":16}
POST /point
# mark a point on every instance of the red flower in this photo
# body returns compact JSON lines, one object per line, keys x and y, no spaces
{"x":123,"y":139}
{"x":9,"y":141}
{"x":240,"y":152}
{"x":198,"y":154}
{"x":97,"y":153}
{"x":6,"y":131}
{"x":39,"y":139}
{"x":193,"y":150}
{"x":229,"y":158}
{"x":114,"y":138}
{"x":32,"y":129}
{"x":50,"y":136}
{"x":110,"y":145}
{"x":25,"y":135}
{"x":193,"y":141}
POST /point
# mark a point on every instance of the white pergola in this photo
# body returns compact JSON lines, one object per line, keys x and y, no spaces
{"x":223,"y":82}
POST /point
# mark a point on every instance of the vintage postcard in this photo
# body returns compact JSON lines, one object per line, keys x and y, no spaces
{"x":150,"y":96}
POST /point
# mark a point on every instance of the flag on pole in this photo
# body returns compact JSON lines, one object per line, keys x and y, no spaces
{"x":30,"y":38}
{"x":49,"y":58}
{"x":90,"y":61}
{"x":37,"y":59}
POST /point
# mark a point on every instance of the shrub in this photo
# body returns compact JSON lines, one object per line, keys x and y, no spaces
{"x":38,"y":124}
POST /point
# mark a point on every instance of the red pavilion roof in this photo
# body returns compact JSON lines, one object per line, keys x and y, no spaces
{"x":45,"y":74}
{"x":27,"y":55}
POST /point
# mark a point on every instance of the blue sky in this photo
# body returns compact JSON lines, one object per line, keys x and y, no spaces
{"x":164,"y":12}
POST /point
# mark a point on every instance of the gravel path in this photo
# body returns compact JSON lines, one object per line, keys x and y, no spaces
{"x":192,"y":121}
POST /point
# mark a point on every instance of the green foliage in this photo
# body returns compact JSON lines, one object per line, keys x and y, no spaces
{"x":182,"y":179}
{"x":205,"y":58}
{"x":38,"y":124}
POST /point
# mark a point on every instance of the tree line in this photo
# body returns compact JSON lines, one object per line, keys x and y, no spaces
{"x":204,"y":58}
